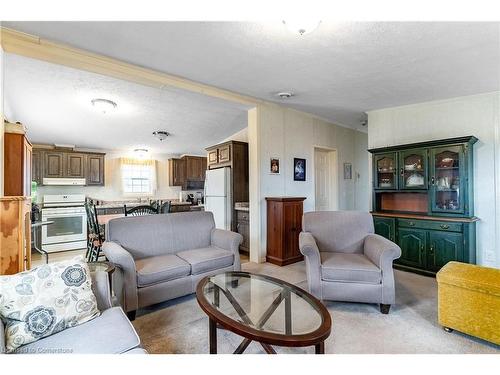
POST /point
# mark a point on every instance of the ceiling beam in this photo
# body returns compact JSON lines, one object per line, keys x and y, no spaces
{"x":38,"y":48}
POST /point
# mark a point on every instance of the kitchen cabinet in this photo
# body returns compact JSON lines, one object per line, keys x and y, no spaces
{"x":222,"y":155}
{"x":95,"y":169}
{"x":176,"y":172}
{"x":36,"y":166}
{"x":284,"y":223}
{"x":58,"y":163}
{"x":53,"y":164}
{"x":187,"y":172}
{"x":75,"y":164}
{"x":17,"y":161}
{"x":423,"y":200}
{"x":243,"y":228}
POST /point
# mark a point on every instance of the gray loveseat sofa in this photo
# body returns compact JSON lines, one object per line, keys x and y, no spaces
{"x":110,"y":333}
{"x":345,"y":260}
{"x":161,"y":257}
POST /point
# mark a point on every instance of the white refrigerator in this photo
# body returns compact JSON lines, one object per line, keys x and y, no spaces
{"x":218,"y":196}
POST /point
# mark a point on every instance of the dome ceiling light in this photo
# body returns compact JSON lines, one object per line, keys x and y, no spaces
{"x":284,"y":95}
{"x":103,"y":105}
{"x":141,"y":153}
{"x":161,"y":134}
{"x":301,"y":27}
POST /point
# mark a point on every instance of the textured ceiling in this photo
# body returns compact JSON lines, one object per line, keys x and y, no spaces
{"x":337,"y":72}
{"x":53,"y":101}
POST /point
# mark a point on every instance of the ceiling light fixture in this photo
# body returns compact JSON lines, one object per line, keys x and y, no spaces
{"x":161,"y":134}
{"x":285,"y":95}
{"x":301,"y":27}
{"x":103,"y":105}
{"x":141,"y":153}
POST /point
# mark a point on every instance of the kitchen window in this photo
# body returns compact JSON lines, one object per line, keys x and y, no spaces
{"x":138,"y":176}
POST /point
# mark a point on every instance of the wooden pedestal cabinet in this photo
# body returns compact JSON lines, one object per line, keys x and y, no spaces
{"x":284,"y":223}
{"x":15,"y":238}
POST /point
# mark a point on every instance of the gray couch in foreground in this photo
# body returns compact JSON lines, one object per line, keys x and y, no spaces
{"x":110,"y":333}
{"x":161,"y":257}
{"x":345,"y":260}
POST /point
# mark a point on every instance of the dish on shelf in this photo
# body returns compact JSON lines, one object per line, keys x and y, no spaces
{"x":446,"y":163}
{"x":415,"y":179}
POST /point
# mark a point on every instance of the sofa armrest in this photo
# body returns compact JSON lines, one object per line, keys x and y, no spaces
{"x":2,"y":337}
{"x":381,"y":251}
{"x":125,"y":264}
{"x":309,"y":248}
{"x":228,"y":240}
{"x":102,"y":292}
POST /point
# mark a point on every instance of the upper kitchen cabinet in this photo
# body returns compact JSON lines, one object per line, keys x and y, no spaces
{"x":75,"y":164}
{"x":187,"y":172}
{"x":17,"y":161}
{"x":53,"y":164}
{"x":57,"y":163}
{"x":95,"y":169}
{"x":224,"y":154}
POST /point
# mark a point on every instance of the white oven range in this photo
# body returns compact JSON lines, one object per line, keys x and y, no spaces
{"x":69,"y":228}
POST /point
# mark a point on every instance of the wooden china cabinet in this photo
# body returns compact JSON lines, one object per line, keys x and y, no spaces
{"x":423,"y":200}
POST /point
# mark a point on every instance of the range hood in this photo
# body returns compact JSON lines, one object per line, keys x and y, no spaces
{"x":65,"y":181}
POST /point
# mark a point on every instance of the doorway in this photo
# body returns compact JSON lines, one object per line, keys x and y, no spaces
{"x":325,"y":179}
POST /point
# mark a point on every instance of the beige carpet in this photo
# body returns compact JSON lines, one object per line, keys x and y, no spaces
{"x":180,"y":326}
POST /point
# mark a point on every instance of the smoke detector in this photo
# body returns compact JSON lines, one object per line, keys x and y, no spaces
{"x":284,"y":95}
{"x":161,"y":134}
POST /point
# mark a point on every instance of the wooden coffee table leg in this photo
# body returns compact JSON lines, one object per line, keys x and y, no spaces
{"x":320,"y":348}
{"x":212,"y":335}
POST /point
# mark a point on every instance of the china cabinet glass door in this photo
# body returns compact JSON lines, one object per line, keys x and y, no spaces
{"x":386,"y":171}
{"x":413,"y":169}
{"x":447,"y":179}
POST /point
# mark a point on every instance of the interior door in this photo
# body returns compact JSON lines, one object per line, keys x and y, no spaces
{"x":322,"y":180}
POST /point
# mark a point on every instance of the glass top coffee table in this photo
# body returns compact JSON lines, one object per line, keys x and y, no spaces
{"x":263,"y":309}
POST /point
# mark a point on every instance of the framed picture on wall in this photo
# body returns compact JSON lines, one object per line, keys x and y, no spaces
{"x":299,"y":169}
{"x":274,"y":166}
{"x":347,"y":171}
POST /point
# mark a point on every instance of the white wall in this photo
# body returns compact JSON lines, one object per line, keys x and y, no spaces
{"x":285,"y":133}
{"x":112,"y":188}
{"x":476,"y":115}
{"x":361,"y":172}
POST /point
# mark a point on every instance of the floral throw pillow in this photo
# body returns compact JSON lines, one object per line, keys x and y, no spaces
{"x":41,"y":302}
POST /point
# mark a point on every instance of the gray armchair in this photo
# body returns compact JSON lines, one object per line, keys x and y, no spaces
{"x":345,"y":260}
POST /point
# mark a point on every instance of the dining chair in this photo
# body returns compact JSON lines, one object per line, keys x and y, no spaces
{"x":95,"y":234}
{"x":140,"y":210}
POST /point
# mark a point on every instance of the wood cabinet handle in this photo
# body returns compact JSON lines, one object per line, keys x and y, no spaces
{"x":431,"y":250}
{"x":422,"y":248}
{"x":401,"y":172}
{"x":432,"y":180}
{"x":444,"y":226}
{"x":411,"y":224}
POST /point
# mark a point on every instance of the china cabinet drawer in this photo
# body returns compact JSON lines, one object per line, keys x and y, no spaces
{"x":432,"y":225}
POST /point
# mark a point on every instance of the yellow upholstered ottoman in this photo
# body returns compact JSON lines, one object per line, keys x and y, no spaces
{"x":469,"y":300}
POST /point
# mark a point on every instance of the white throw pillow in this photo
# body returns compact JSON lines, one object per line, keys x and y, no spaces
{"x":43,"y":301}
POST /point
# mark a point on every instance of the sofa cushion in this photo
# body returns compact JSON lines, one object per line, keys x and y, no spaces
{"x":160,"y":268}
{"x":354,"y":268}
{"x":207,"y":259}
{"x":43,"y":301}
{"x":111,"y":333}
{"x":153,"y":235}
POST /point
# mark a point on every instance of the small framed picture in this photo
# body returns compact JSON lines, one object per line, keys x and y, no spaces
{"x":347,"y":171}
{"x":274,"y":166}
{"x":299,"y":169}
